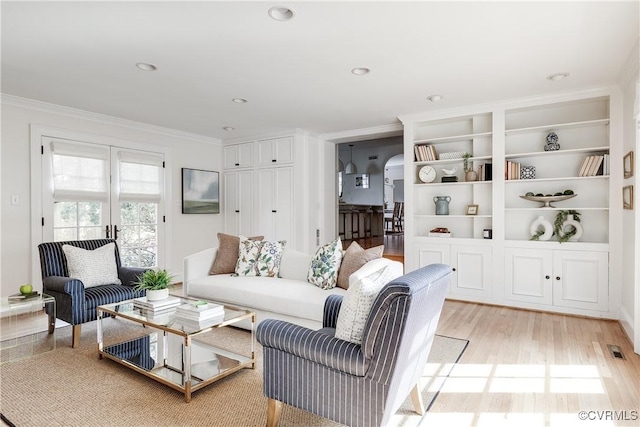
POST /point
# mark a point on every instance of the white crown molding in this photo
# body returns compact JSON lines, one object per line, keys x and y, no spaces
{"x":46,"y":107}
{"x":629,"y":70}
{"x":383,"y":131}
{"x":269,"y":135}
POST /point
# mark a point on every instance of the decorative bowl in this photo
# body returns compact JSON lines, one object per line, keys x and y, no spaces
{"x":546,"y":200}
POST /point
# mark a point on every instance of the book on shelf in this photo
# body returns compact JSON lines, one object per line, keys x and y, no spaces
{"x":585,"y":165}
{"x":605,"y":168}
{"x":595,"y":165}
{"x":162,"y":304}
{"x":511,"y":170}
{"x":425,"y":152}
{"x":597,"y":168}
{"x":22,"y":297}
{"x":199,"y":311}
{"x":199,"y":324}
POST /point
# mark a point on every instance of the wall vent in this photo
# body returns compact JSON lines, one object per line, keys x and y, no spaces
{"x":373,"y":157}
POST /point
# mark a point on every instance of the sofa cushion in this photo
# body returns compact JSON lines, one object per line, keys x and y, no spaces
{"x":227,"y":255}
{"x":296,"y":298}
{"x":268,"y":261}
{"x":357,"y":304}
{"x":354,"y":258}
{"x":92,"y":267}
{"x":325,"y":264}
{"x":295,"y":264}
{"x":248,"y":252}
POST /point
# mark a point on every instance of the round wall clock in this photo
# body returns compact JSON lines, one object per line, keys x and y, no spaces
{"x":427,"y":174}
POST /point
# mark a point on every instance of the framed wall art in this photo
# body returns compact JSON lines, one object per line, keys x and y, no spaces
{"x":627,"y":197}
{"x":627,"y":164}
{"x":472,"y":209}
{"x":200,"y":191}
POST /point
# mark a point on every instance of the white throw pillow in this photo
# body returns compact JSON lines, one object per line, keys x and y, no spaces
{"x":92,"y":267}
{"x":325,"y":264}
{"x":248,"y":253}
{"x":357,"y":304}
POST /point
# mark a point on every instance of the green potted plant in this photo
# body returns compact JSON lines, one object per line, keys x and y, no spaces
{"x":155,"y":282}
{"x":469,"y":173}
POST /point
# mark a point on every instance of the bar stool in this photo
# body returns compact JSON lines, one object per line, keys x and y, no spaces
{"x":355,"y":223}
{"x":342,"y":218}
{"x":368,"y":223}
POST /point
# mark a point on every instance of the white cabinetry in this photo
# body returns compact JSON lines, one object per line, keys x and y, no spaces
{"x":238,"y":202}
{"x":272,"y":152}
{"x":471,"y":267}
{"x":237,"y":156}
{"x":275,"y":204}
{"x":558,"y":278}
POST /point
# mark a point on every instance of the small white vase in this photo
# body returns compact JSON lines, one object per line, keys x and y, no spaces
{"x":157,"y":295}
{"x":546,"y":226}
{"x":571,"y":222}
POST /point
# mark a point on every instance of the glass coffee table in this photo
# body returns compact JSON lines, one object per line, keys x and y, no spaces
{"x":185,"y":358}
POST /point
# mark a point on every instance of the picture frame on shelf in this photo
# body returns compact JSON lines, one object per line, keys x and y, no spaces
{"x":627,"y":165}
{"x":472,"y":210}
{"x":627,"y":197}
{"x":200,"y":191}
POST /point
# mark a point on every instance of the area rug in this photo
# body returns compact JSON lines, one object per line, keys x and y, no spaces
{"x":73,"y":387}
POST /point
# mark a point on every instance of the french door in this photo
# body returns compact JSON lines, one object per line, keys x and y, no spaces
{"x":93,"y":191}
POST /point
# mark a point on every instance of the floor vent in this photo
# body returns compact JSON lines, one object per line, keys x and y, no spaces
{"x":615,"y":351}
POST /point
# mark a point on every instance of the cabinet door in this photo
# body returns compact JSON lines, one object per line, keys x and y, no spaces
{"x":472,"y":270}
{"x":433,"y":254}
{"x":275,"y":199}
{"x":238,"y":155}
{"x":528,"y":275}
{"x":275,"y":151}
{"x":581,"y":279}
{"x":238,"y":202}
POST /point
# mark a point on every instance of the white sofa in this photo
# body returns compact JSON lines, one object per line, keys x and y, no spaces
{"x":289,"y":297}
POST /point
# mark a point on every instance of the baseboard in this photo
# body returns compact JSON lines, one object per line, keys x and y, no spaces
{"x":626,"y":321}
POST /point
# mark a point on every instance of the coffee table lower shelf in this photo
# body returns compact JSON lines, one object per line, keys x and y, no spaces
{"x":212,"y":363}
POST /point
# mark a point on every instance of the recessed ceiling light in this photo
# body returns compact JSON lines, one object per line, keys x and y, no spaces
{"x":361,"y":71}
{"x":435,"y":98}
{"x":146,"y":67}
{"x":281,"y":13}
{"x":557,"y":76}
{"x":228,"y":128}
{"x":239,"y":100}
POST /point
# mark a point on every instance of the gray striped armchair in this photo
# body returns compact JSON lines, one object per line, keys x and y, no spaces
{"x":357,"y":385}
{"x":76,"y":304}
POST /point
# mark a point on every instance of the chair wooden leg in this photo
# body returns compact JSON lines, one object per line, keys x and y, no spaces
{"x":416,"y":399}
{"x":75,"y":340}
{"x":274,"y":409}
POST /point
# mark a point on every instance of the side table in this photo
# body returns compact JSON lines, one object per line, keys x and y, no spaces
{"x":26,"y":331}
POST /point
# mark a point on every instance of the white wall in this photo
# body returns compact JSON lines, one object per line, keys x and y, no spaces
{"x":186,"y":233}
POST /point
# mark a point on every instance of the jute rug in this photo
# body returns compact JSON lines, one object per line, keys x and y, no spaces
{"x":72,"y":387}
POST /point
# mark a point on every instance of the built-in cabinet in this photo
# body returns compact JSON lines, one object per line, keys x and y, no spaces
{"x":275,"y":203}
{"x":238,"y":206}
{"x":518,"y":150}
{"x":258,"y":196}
{"x":471,"y":265}
{"x":558,"y":278}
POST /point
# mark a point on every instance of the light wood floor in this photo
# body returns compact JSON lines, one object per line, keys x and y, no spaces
{"x":540,"y":369}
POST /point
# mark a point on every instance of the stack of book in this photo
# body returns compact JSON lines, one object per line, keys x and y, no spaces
{"x":485,"y":172}
{"x":157,"y":307}
{"x":595,"y":165}
{"x":22,"y":297}
{"x":425,"y":153}
{"x":511,"y":170}
{"x":199,"y":314}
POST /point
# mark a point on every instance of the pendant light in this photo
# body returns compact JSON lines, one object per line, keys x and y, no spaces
{"x":351,"y":169}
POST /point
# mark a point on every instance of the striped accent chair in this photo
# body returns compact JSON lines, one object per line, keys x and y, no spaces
{"x":357,"y":385}
{"x":76,"y":304}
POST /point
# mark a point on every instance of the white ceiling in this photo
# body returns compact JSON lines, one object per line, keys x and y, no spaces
{"x":296,"y":74}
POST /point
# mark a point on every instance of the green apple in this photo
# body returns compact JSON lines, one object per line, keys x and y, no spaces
{"x":26,"y":289}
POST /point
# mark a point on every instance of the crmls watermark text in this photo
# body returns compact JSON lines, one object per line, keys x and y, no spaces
{"x":609,"y":415}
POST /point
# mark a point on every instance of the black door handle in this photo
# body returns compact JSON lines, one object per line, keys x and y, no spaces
{"x":115,"y":232}
{"x":108,"y":231}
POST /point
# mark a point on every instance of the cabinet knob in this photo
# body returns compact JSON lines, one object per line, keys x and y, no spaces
{"x":274,"y":211}
{"x":557,"y":277}
{"x":547,"y":277}
{"x":237,"y":211}
{"x":453,"y":269}
{"x":237,"y":164}
{"x":274,"y":160}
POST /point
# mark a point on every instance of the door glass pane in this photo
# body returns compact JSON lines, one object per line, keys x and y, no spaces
{"x":77,"y":220}
{"x":138,"y":234}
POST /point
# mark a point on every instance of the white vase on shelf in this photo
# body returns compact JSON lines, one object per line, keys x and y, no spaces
{"x":546,"y":226}
{"x":571,"y":222}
